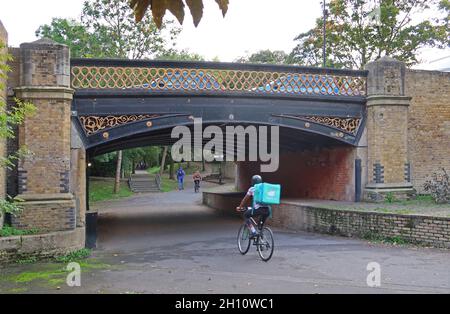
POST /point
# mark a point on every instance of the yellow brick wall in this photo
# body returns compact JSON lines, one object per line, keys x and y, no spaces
{"x":387,"y":143}
{"x":47,"y":136}
{"x":429,"y":123}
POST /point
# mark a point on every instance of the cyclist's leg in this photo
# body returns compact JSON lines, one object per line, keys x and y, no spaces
{"x":263,"y":213}
{"x":248,"y":215}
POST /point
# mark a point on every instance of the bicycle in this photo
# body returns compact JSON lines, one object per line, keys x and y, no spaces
{"x":196,"y":185}
{"x":263,"y":240}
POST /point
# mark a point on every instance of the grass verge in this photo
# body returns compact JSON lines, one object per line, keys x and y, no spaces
{"x":104,"y":190}
{"x":8,"y":231}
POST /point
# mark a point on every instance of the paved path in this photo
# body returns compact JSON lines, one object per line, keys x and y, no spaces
{"x":170,"y":243}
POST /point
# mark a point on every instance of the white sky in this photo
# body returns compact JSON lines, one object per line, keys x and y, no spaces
{"x":250,"y":25}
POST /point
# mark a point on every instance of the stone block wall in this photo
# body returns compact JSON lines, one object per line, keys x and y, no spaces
{"x":429,"y":123}
{"x":41,"y":245}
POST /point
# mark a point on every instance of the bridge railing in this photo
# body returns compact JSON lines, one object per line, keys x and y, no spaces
{"x":212,"y":77}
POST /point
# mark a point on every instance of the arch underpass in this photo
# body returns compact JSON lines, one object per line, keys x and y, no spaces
{"x":320,"y":113}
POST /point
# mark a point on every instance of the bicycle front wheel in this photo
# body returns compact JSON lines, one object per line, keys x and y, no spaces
{"x":243,"y":239}
{"x":265,"y":244}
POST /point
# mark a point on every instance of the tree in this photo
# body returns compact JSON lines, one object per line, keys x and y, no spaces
{"x":266,"y":56}
{"x":118,"y":172}
{"x":358,"y":32}
{"x":180,"y":55}
{"x":81,"y":42}
{"x":107,"y":29}
{"x":114,"y":19}
{"x":163,"y":160}
{"x":176,"y":7}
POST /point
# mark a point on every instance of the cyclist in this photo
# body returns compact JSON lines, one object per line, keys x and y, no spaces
{"x":257,"y":209}
{"x":197,"y":177}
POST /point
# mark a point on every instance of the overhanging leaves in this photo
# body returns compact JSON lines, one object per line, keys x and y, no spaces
{"x":176,"y":7}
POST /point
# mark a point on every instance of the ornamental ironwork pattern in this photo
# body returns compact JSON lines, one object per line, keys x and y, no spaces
{"x":216,"y":80}
{"x":349,"y":125}
{"x":94,"y":124}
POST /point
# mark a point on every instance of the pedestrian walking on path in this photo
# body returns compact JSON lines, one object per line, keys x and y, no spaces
{"x":180,"y":178}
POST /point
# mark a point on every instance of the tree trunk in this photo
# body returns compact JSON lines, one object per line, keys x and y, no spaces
{"x":171,"y":176}
{"x":118,"y":172}
{"x":163,"y":161}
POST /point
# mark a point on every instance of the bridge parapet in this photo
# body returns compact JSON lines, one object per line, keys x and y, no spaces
{"x":215,"y":78}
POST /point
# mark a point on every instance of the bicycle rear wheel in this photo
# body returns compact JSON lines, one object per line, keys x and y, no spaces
{"x":265,"y":244}
{"x":243,"y":239}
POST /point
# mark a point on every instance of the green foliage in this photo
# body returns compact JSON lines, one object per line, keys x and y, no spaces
{"x":53,"y":274}
{"x":107,"y":29}
{"x":105,"y":165}
{"x":14,"y":116}
{"x":10,"y":118}
{"x":103,"y":191}
{"x":168,"y":185}
{"x":376,"y":237}
{"x":74,"y":256}
{"x":10,"y":205}
{"x":180,"y":55}
{"x":267,"y":56}
{"x":102,"y":167}
{"x":358,"y":33}
{"x":26,"y":260}
{"x":77,"y":37}
{"x":390,"y":197}
{"x":8,"y":231}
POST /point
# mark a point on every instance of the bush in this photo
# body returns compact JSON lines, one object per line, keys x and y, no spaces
{"x":74,"y":256}
{"x":439,"y":187}
{"x":103,"y":169}
{"x":11,"y":206}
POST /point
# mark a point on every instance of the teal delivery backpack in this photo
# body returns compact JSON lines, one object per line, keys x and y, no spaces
{"x":267,"y":194}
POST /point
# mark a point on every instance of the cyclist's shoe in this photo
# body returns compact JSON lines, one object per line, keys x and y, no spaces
{"x":253,"y":234}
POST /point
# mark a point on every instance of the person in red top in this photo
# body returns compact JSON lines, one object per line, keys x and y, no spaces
{"x":197,"y":177}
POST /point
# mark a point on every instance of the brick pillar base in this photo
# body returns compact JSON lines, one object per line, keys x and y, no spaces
{"x":388,"y":166}
{"x":44,"y":175}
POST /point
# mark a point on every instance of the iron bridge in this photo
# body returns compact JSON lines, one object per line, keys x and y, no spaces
{"x":127,"y":103}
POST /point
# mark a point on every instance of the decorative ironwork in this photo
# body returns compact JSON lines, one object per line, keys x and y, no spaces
{"x":94,"y":124}
{"x":218,"y":80}
{"x":348,"y":125}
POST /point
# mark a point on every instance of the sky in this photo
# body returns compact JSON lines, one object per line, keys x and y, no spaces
{"x":249,"y":26}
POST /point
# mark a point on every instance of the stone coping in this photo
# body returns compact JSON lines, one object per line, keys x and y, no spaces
{"x":369,"y":212}
{"x":44,"y":92}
